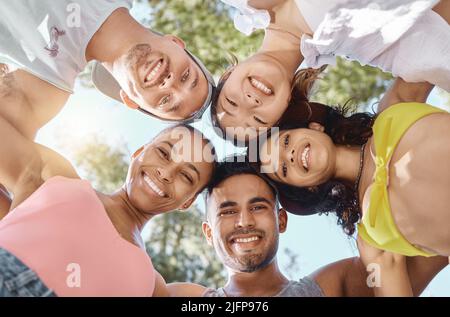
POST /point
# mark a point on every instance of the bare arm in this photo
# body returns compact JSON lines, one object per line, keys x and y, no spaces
{"x":28,"y":102}
{"x":25,"y":165}
{"x":389,"y":271}
{"x":402,"y":91}
{"x":443,"y":9}
{"x":348,"y":277}
{"x":185,"y":290}
{"x":161,"y":289}
{"x":422,"y":271}
{"x":343,"y":278}
{"x":5,"y":202}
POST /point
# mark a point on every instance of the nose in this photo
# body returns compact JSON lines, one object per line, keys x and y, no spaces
{"x":168,"y":81}
{"x":245,"y":220}
{"x":165,"y":175}
{"x":252,"y":99}
{"x":288,"y":155}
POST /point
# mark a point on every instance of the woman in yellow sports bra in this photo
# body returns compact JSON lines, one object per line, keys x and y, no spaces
{"x":394,"y":185}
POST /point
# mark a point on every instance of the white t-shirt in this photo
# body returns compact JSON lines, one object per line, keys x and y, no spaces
{"x":314,"y":11}
{"x":404,"y":37}
{"x":48,"y":38}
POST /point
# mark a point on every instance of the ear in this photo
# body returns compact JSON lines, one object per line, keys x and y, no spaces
{"x":127,"y":100}
{"x":188,"y":203}
{"x":206,"y":228}
{"x":227,"y":73}
{"x":282,"y":220}
{"x":176,"y":39}
{"x":137,"y":152}
{"x":316,"y":126}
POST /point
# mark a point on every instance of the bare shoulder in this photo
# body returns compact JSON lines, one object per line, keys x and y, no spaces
{"x":28,"y":102}
{"x":346,"y":277}
{"x":54,"y":164}
{"x":330,"y":276}
{"x":186,"y":290}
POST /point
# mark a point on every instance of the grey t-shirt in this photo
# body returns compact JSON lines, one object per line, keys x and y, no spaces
{"x":305,"y":287}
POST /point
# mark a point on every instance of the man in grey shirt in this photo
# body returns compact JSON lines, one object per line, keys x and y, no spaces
{"x":243,"y":225}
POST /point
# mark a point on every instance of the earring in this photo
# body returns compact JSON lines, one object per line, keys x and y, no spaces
{"x":309,"y":111}
{"x":313,"y":189}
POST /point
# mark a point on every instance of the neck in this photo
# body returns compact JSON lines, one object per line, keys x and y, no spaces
{"x":284,"y":48}
{"x":116,"y":36}
{"x":127,"y":220}
{"x":267,"y":281}
{"x":347,"y":162}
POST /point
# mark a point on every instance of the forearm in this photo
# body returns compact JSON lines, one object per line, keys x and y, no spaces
{"x":394,"y":282}
{"x":422,"y":271}
{"x":443,"y":9}
{"x":19,"y":159}
{"x":402,"y":91}
{"x":5,"y":202}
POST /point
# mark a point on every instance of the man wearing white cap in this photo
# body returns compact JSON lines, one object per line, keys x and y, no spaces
{"x":45,"y":44}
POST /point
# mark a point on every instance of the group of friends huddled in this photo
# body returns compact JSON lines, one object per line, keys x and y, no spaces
{"x":385,"y":176}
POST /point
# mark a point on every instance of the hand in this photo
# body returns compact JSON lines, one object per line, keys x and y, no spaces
{"x":370,"y":254}
{"x":393,"y":278}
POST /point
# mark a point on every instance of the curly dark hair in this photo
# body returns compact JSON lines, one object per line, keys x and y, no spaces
{"x":344,"y":128}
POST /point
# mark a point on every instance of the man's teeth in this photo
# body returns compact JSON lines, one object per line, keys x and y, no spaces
{"x":246,"y":240}
{"x":154,"y":72}
{"x":259,"y":85}
{"x":153,"y":186}
{"x":305,"y":157}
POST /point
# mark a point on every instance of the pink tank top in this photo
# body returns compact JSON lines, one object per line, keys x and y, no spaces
{"x":62,"y":232}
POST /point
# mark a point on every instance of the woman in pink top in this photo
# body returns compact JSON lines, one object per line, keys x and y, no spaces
{"x":63,"y":238}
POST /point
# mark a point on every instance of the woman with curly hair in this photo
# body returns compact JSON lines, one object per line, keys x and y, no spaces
{"x":409,"y":39}
{"x":393,"y":184}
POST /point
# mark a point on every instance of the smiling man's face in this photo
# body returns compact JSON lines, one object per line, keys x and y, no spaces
{"x":244,"y":223}
{"x":163,"y":80}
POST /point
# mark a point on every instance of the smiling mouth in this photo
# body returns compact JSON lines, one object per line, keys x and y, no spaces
{"x":156,"y":73}
{"x":305,"y":157}
{"x":153,"y":186}
{"x":262,"y":87}
{"x":244,"y":240}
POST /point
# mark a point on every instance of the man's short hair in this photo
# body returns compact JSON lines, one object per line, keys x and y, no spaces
{"x":232,"y":166}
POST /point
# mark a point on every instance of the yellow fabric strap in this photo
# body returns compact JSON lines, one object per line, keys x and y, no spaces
{"x":377,"y":226}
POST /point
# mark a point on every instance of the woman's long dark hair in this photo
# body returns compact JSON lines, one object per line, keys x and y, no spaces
{"x":343,"y":128}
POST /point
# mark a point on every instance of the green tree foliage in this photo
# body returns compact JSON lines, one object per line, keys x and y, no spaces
{"x":349,"y":81}
{"x":105,"y":166}
{"x":207,"y":28}
{"x":179,"y":250}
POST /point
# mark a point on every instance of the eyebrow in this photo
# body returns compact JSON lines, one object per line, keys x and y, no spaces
{"x":227,"y":203}
{"x":195,"y":82}
{"x":174,"y":108}
{"x":192,"y":167}
{"x":259,"y":200}
{"x":168,"y":143}
{"x":225,"y":110}
{"x":278,"y":176}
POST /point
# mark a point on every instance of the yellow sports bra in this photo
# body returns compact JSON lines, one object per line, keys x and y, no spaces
{"x":377,"y":226}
